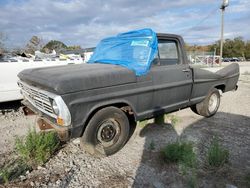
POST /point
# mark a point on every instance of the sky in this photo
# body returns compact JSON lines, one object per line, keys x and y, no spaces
{"x":85,"y":22}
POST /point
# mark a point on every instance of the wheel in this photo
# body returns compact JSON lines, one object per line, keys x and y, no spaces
{"x":209,"y":106}
{"x":106,"y":133}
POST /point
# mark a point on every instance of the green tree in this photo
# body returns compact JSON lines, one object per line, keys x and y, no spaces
{"x":54,"y":45}
{"x":231,"y":47}
{"x":247,"y":50}
{"x":238,"y":46}
{"x":228,"y":48}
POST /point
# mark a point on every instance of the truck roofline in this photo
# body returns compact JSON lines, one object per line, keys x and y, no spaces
{"x":168,"y":35}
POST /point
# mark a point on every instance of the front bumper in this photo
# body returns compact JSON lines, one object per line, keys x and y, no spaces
{"x":45,"y":123}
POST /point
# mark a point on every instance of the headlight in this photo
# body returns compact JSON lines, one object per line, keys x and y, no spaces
{"x":62,"y":111}
{"x":55,"y":107}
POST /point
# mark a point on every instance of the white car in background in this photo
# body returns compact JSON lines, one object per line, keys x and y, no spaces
{"x":9,"y":91}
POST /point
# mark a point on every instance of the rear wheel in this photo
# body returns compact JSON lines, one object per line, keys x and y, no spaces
{"x":106,"y":132}
{"x":209,"y":106}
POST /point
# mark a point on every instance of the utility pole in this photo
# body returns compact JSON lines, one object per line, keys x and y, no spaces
{"x":225,"y":4}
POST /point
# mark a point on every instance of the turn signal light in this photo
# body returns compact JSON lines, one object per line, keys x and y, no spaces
{"x":59,"y":121}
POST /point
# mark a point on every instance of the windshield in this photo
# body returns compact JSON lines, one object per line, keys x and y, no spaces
{"x":134,"y":50}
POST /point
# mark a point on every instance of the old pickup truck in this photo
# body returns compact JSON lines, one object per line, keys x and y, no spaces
{"x":130,"y":77}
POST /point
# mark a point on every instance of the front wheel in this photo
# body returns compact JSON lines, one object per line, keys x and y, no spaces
{"x":210,"y":105}
{"x":106,"y":132}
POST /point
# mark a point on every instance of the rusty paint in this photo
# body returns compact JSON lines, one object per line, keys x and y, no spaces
{"x":43,"y":125}
{"x":27,"y":111}
{"x":63,"y":133}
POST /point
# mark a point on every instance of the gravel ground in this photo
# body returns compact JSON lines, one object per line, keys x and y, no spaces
{"x":138,"y":165}
{"x":12,"y":123}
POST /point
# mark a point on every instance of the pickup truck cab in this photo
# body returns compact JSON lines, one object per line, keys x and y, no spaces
{"x":99,"y":101}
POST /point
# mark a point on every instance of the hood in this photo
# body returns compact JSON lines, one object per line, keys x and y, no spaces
{"x":73,"y":78}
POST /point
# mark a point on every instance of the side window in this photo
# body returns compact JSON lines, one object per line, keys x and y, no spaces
{"x":168,"y":52}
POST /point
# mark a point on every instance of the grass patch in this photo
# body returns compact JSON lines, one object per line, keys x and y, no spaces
{"x":217,"y":155}
{"x":33,"y":150}
{"x":36,"y":148}
{"x":184,"y":156}
{"x":180,"y":153}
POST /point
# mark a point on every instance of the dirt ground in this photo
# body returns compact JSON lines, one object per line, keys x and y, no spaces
{"x":138,"y":165}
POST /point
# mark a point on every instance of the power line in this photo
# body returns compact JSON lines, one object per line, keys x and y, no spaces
{"x":200,"y":37}
{"x":200,"y":22}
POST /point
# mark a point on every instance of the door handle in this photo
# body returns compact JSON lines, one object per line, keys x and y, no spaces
{"x":186,"y":70}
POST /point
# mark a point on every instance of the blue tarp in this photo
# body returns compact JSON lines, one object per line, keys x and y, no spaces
{"x":134,"y":50}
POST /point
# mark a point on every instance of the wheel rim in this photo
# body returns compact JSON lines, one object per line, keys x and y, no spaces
{"x":108,"y":132}
{"x":213,"y":103}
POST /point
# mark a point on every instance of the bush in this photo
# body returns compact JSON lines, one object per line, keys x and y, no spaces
{"x":180,"y":153}
{"x":36,"y":148}
{"x":217,"y":155}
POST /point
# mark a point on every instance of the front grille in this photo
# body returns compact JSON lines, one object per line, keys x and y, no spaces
{"x":38,"y":98}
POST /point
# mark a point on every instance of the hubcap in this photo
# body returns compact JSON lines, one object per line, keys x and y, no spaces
{"x":108,"y":132}
{"x":212,"y":104}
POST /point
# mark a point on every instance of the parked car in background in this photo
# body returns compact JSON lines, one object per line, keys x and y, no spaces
{"x":232,"y":59}
{"x":9,"y":90}
{"x":10,"y":66}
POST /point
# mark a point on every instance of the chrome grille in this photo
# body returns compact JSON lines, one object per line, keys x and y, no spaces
{"x":37,"y":98}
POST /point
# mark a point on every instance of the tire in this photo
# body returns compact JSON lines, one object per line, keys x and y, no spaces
{"x":209,"y":106}
{"x":106,"y":133}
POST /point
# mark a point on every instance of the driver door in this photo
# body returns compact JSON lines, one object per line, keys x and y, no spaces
{"x":172,"y":77}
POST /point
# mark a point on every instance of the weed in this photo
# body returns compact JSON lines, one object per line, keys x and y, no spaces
{"x":4,"y":174}
{"x":152,"y":145}
{"x":217,"y":155}
{"x":180,"y":153}
{"x":173,"y":119}
{"x":36,"y":148}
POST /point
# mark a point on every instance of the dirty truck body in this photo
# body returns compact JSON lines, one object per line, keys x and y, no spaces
{"x":109,"y":97}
